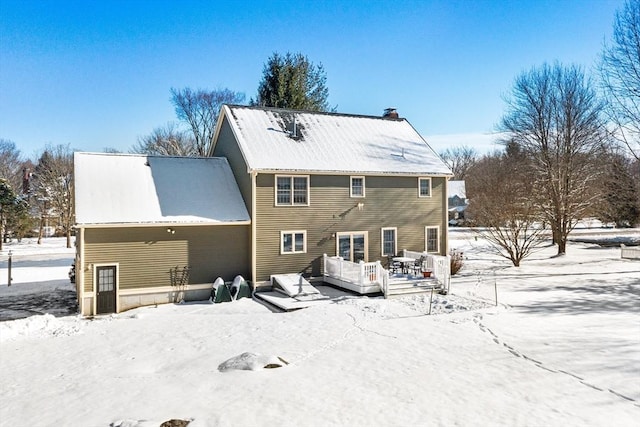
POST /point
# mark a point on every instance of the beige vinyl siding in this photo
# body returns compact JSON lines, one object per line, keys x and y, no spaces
{"x":389,"y":202}
{"x":226,"y":146}
{"x":146,"y":254}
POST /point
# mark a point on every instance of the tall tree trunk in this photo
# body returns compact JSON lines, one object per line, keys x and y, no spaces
{"x":562,"y":246}
{"x":40,"y":229}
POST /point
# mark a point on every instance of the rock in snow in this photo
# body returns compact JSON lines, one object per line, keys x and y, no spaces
{"x":251,"y":362}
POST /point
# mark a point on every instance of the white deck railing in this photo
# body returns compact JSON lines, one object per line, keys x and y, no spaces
{"x":629,"y":252}
{"x":440,"y":266}
{"x":361,"y":274}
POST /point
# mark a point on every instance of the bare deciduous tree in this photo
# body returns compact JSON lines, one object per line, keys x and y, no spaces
{"x":166,"y":141}
{"x":199,"y":110}
{"x":459,"y":160}
{"x":54,"y":189}
{"x":501,"y":206}
{"x":555,"y":118}
{"x":10,"y":164}
{"x":620,"y":73}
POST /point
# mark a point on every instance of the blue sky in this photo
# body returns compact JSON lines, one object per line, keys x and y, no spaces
{"x":96,"y":74}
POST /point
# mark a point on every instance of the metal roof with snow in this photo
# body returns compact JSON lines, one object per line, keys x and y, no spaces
{"x":139,"y":189}
{"x":273,"y":139}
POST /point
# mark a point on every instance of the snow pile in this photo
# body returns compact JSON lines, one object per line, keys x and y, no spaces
{"x":39,"y":327}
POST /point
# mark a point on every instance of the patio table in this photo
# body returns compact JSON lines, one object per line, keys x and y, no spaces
{"x":405,"y":261}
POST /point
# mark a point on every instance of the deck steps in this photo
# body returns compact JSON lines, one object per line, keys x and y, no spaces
{"x":402,"y":289}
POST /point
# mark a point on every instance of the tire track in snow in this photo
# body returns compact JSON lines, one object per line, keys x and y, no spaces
{"x":477,"y":318}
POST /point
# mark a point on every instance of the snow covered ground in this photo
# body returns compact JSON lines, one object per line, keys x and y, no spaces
{"x":561,"y":348}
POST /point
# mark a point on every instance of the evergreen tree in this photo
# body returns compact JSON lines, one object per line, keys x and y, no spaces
{"x":292,"y":81}
{"x":14,"y":212}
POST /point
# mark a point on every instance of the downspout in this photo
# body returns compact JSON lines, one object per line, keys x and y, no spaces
{"x":446,"y":216}
{"x":254,"y":176}
{"x":80,"y":271}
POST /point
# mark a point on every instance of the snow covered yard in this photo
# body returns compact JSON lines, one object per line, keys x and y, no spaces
{"x":561,"y":348}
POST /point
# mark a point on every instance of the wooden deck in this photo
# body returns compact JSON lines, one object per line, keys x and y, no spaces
{"x":370,"y":278}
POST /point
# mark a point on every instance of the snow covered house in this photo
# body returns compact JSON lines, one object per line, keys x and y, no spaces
{"x":281,"y":189}
{"x":457,"y":202}
{"x":140,"y":220}
{"x":360,"y":187}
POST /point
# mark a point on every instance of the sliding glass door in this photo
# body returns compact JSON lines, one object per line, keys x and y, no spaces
{"x":352,"y":246}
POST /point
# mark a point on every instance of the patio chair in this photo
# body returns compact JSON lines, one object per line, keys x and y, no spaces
{"x":417,"y":265}
{"x":393,"y":266}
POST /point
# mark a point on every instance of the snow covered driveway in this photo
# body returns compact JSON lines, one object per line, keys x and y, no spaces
{"x":40,"y":281}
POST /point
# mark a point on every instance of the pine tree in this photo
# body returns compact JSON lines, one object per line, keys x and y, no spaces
{"x":292,"y":81}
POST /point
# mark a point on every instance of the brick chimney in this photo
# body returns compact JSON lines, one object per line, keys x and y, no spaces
{"x":390,"y":113}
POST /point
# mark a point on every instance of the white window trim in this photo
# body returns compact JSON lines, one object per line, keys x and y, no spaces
{"x":351,"y":187}
{"x":395,"y":238}
{"x":293,"y":242}
{"x":430,"y":187}
{"x":351,"y":233}
{"x":426,"y":236}
{"x":291,"y":177}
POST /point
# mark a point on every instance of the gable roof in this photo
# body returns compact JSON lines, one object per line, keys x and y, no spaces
{"x":139,"y":189}
{"x":273,"y":139}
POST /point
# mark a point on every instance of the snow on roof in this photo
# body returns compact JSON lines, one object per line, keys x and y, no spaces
{"x":117,"y":188}
{"x":457,"y":188}
{"x":276,"y":139}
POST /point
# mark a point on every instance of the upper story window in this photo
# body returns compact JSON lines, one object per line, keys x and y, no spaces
{"x":292,"y":190}
{"x":357,"y":186}
{"x":424,"y":187}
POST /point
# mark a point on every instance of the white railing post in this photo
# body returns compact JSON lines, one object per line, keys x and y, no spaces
{"x":361,"y":278}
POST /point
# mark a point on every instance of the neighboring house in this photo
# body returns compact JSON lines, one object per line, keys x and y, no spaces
{"x":142,"y":219}
{"x":457,"y":202}
{"x":360,"y":187}
{"x":282,"y":189}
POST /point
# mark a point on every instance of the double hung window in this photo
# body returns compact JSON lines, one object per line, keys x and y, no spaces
{"x":389,"y":241}
{"x":292,"y":190}
{"x":424,"y":187}
{"x":357,"y":186}
{"x":432,"y":239}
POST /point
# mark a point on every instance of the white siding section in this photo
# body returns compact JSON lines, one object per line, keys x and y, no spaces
{"x":330,"y":142}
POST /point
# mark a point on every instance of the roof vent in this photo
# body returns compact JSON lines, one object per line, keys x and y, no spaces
{"x":390,"y":113}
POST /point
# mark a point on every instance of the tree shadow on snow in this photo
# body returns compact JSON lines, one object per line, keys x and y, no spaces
{"x":588,"y":296}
